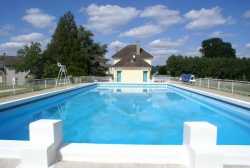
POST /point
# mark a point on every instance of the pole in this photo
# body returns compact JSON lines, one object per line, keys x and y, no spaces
{"x":232,"y":86}
{"x":45,"y":84}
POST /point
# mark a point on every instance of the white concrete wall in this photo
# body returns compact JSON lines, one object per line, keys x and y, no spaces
{"x":148,"y":61}
{"x":131,"y":74}
{"x":10,"y":73}
{"x":199,"y":149}
{"x":116,"y":60}
{"x":46,"y":136}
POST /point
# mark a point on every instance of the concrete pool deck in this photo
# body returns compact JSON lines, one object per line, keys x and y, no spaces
{"x":64,"y":164}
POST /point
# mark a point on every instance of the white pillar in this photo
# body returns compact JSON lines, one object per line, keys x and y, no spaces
{"x":45,"y":138}
{"x":200,"y":140}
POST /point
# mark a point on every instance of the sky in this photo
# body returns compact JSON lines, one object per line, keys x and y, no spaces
{"x":163,"y":27}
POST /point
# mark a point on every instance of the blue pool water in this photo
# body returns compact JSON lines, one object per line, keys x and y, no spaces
{"x":128,"y":115}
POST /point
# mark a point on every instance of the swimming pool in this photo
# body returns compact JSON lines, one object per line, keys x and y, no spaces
{"x":128,"y":114}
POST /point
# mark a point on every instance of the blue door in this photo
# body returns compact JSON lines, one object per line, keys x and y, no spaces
{"x":145,"y":76}
{"x":119,"y":76}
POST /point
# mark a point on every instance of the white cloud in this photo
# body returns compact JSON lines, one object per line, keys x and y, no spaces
{"x":4,"y":30}
{"x":106,"y":18}
{"x":247,"y":14}
{"x":112,"y":49}
{"x":162,"y":15}
{"x":35,"y":37}
{"x":220,"y":34}
{"x":8,"y":27}
{"x":161,"y":55}
{"x":163,"y":52}
{"x":18,"y":42}
{"x":166,"y":42}
{"x":117,"y":44}
{"x":143,"y":31}
{"x":39,"y":19}
{"x":234,"y":45}
{"x":82,"y":9}
{"x":12,"y":46}
{"x":248,"y":45}
{"x":206,"y":18}
{"x":193,"y":52}
{"x":160,"y":49}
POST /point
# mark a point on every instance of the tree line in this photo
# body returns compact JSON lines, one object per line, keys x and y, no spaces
{"x":218,"y":60}
{"x":71,"y":46}
{"x":201,"y":67}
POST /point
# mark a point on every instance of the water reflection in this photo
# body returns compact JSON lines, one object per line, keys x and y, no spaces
{"x":63,"y":109}
{"x":132,"y":90}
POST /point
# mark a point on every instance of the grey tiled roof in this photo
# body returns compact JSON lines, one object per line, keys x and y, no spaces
{"x":127,"y":60}
{"x":131,"y":49}
{"x":9,"y":60}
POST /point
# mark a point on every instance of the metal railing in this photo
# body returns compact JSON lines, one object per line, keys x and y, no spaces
{"x":233,"y":86}
{"x":19,"y":87}
{"x":25,"y":86}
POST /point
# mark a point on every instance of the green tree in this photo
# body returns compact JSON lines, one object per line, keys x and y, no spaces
{"x":220,"y":68}
{"x":31,"y":60}
{"x":95,"y":51}
{"x":215,"y":47}
{"x":1,"y":58}
{"x":175,"y":65}
{"x":65,"y":47}
{"x":246,"y":69}
{"x":162,"y":70}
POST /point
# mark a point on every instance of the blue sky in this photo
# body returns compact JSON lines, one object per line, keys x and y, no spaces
{"x":164,"y":27}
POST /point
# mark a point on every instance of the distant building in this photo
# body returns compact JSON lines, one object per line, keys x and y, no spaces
{"x":132,"y":64}
{"x":7,"y":71}
{"x":109,"y":68}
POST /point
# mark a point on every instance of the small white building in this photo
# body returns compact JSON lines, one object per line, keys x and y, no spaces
{"x":7,"y":71}
{"x":132,"y":64}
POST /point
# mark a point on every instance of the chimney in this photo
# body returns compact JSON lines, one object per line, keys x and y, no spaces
{"x":116,"y":49}
{"x":138,"y":47}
